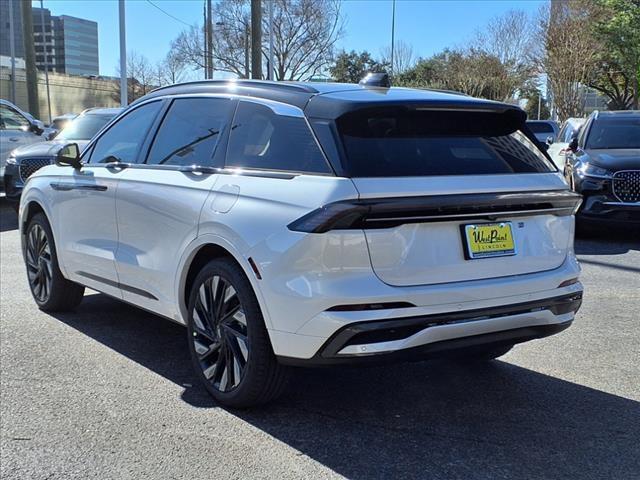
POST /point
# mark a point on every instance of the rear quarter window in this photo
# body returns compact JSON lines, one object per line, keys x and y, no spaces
{"x":262,"y":139}
{"x":395,"y":142}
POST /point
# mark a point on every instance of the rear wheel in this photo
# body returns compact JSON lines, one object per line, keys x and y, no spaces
{"x":51,"y":291}
{"x":228,"y":340}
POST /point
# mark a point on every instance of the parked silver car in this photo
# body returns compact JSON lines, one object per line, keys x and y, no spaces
{"x":17,"y":128}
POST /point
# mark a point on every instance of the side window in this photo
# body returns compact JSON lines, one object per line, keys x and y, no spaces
{"x":582,"y":133}
{"x":123,"y":140}
{"x":262,"y":139}
{"x":12,"y":120}
{"x":563,"y":132}
{"x":190,"y":132}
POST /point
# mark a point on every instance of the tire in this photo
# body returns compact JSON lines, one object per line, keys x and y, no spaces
{"x":486,"y":354}
{"x":228,"y":340}
{"x":51,"y":291}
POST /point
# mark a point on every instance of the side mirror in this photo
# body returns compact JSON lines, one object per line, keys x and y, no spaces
{"x":573,"y":144}
{"x":549,"y":140}
{"x":37,"y":127}
{"x":69,"y":156}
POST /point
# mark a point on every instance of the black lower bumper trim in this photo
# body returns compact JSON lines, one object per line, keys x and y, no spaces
{"x":388,"y":330}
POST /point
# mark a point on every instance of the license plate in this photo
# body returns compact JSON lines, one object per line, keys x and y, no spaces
{"x":488,"y":240}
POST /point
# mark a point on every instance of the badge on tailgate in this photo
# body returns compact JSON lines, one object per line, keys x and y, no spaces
{"x":485,"y":240}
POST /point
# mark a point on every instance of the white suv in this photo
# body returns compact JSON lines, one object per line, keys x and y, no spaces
{"x":310,"y":224}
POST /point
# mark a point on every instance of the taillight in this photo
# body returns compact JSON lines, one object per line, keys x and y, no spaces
{"x":392,"y":212}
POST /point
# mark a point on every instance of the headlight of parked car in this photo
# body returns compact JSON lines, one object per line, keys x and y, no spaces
{"x":11,"y":161}
{"x":590,"y":170}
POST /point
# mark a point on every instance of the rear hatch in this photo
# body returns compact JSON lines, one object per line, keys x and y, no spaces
{"x":454,"y":195}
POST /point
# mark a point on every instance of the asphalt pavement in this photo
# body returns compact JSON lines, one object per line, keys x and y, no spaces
{"x":108,"y":392}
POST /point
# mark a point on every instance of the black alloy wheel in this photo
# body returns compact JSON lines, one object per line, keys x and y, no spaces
{"x":38,"y":260}
{"x":220,"y":333}
{"x":51,"y":291}
{"x":228,"y":340}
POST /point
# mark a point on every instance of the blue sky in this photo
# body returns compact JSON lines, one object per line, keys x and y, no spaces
{"x":428,"y":25}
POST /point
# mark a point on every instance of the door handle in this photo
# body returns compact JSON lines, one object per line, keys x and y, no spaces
{"x":198,"y":169}
{"x":117,"y":165}
{"x":67,"y":187}
{"x":14,"y":139}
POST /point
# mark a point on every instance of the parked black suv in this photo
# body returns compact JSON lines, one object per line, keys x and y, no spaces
{"x":603,"y":164}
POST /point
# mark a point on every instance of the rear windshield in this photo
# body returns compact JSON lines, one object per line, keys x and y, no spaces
{"x":615,"y":133}
{"x":400,"y":142}
{"x":540,"y":127}
{"x":84,"y":127}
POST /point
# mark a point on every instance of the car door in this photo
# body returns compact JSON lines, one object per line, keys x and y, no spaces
{"x":159,"y":201}
{"x":85,"y":206}
{"x":15,"y":131}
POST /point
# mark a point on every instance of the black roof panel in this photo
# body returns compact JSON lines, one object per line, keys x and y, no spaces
{"x":331,"y":100}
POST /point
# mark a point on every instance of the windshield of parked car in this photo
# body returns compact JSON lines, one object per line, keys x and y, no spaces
{"x":614,"y":133}
{"x":397,"y":142}
{"x":540,"y":127}
{"x":83,"y":127}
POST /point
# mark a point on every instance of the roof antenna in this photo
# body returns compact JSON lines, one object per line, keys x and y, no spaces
{"x":380,"y":80}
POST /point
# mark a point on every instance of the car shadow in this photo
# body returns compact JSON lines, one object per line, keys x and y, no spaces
{"x":8,"y":216}
{"x":417,"y":420}
{"x":607,"y":241}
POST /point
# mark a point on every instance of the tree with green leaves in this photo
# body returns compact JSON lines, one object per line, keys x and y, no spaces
{"x":536,"y":102}
{"x":617,"y":29}
{"x":351,"y":67}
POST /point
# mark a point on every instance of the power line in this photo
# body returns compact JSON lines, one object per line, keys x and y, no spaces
{"x":168,"y":14}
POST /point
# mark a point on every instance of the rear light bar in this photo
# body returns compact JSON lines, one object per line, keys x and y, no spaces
{"x":391,"y":212}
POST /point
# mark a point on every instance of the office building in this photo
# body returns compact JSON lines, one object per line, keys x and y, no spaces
{"x":5,"y":38}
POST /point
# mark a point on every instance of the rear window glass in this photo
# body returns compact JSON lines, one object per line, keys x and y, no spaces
{"x":540,"y":127}
{"x":84,"y":127}
{"x":262,"y":139}
{"x":615,"y":133}
{"x":398,"y":142}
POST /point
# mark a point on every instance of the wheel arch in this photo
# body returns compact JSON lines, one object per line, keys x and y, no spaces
{"x":203,"y":250}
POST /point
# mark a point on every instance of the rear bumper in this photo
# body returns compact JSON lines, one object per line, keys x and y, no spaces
{"x":416,"y":338}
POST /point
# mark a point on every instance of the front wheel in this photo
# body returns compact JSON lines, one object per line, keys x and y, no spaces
{"x":228,"y":340}
{"x":51,"y":291}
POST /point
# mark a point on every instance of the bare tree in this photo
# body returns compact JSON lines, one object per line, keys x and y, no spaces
{"x":140,"y":75}
{"x":567,"y":54}
{"x":403,"y":57}
{"x":304,"y":35}
{"x":510,"y":39}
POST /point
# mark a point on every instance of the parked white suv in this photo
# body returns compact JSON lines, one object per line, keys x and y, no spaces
{"x":310,"y":224}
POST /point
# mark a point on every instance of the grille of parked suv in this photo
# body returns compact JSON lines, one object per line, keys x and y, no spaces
{"x":29,"y":165}
{"x":626,"y":186}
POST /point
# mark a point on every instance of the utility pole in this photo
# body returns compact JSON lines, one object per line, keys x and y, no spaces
{"x":393,"y":32}
{"x":209,"y":40}
{"x":270,"y":73}
{"x":30,"y":58}
{"x":123,"y":56}
{"x":46,"y":62}
{"x":256,"y":39}
{"x":204,"y":39}
{"x":12,"y":48}
{"x":539,"y":104}
{"x":247,"y":60}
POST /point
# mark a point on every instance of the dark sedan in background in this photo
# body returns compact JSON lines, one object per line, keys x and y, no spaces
{"x":24,"y":161}
{"x":545,"y":131}
{"x":603,"y":164}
